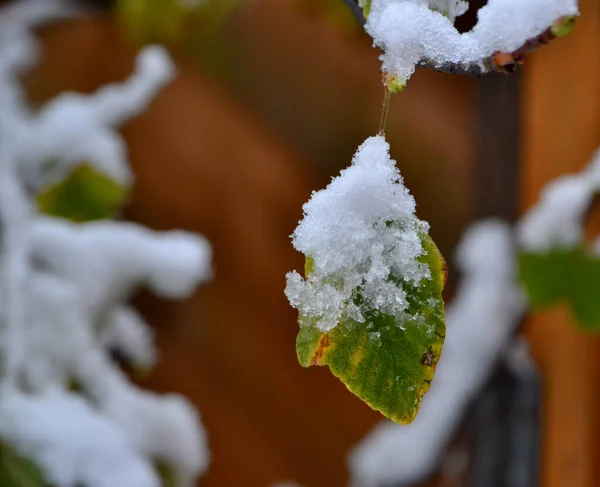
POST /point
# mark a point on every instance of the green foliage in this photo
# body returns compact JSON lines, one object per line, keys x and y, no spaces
{"x":15,"y":471}
{"x":167,"y":474}
{"x":84,"y":195}
{"x":386,"y":362}
{"x":171,"y":21}
{"x":563,"y":26}
{"x":566,"y":274}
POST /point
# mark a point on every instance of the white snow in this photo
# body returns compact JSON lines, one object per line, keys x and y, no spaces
{"x":480,"y":322}
{"x":108,"y":260}
{"x":71,"y":442}
{"x":359,"y":231}
{"x":557,"y":219}
{"x":125,"y":331}
{"x":162,"y":427}
{"x":409,"y":31}
{"x":64,"y":287}
{"x":74,"y":128}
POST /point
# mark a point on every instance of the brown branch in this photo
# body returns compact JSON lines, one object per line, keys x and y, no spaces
{"x":356,"y":10}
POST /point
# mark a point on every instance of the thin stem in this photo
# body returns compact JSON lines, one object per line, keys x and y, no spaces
{"x":387,"y":97}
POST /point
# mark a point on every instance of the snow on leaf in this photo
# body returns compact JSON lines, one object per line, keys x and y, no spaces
{"x":370,"y":305}
{"x":179,"y":22}
{"x":391,"y":363}
{"x":85,"y":195}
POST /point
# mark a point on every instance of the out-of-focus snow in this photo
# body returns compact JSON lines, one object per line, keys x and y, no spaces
{"x":64,"y":403}
{"x":557,"y":219}
{"x":73,"y":443}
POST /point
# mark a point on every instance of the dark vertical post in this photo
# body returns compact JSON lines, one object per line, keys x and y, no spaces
{"x":497,"y":165}
{"x":508,"y":408}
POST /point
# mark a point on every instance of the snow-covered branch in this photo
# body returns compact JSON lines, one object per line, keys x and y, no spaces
{"x":421,"y":33}
{"x":557,"y":220}
{"x":64,"y":286}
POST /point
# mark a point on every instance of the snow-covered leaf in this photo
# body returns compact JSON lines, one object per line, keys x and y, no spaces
{"x":388,"y":361}
{"x":85,"y":195}
{"x":370,"y":305}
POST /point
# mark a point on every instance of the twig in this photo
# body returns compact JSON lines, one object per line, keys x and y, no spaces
{"x":356,"y":10}
{"x":499,"y":62}
{"x":387,"y":97}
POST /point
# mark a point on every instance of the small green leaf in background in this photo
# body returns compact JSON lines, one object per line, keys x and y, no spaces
{"x":15,"y":471}
{"x":544,"y":275}
{"x":571,"y":275}
{"x":167,"y":474}
{"x":387,"y":363}
{"x":171,"y":22}
{"x":85,"y":195}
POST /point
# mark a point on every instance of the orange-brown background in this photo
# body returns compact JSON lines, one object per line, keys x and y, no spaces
{"x":234,"y":157}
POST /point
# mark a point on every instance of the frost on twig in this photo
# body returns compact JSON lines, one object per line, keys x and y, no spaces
{"x":421,"y":33}
{"x":395,"y":455}
{"x":64,"y":403}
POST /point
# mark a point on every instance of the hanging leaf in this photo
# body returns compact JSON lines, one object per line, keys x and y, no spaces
{"x":370,"y":304}
{"x":15,"y":471}
{"x":387,"y":362}
{"x":568,"y":274}
{"x":85,"y":195}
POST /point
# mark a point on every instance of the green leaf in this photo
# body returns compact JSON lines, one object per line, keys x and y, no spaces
{"x":15,"y":471}
{"x":85,"y":195}
{"x":167,"y":474}
{"x":544,"y":275}
{"x":570,"y":275}
{"x":563,"y":26}
{"x":173,"y":22}
{"x":583,"y":291}
{"x":367,"y":7}
{"x":387,"y":363}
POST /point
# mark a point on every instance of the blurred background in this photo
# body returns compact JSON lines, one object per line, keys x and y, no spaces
{"x":272,"y":99}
